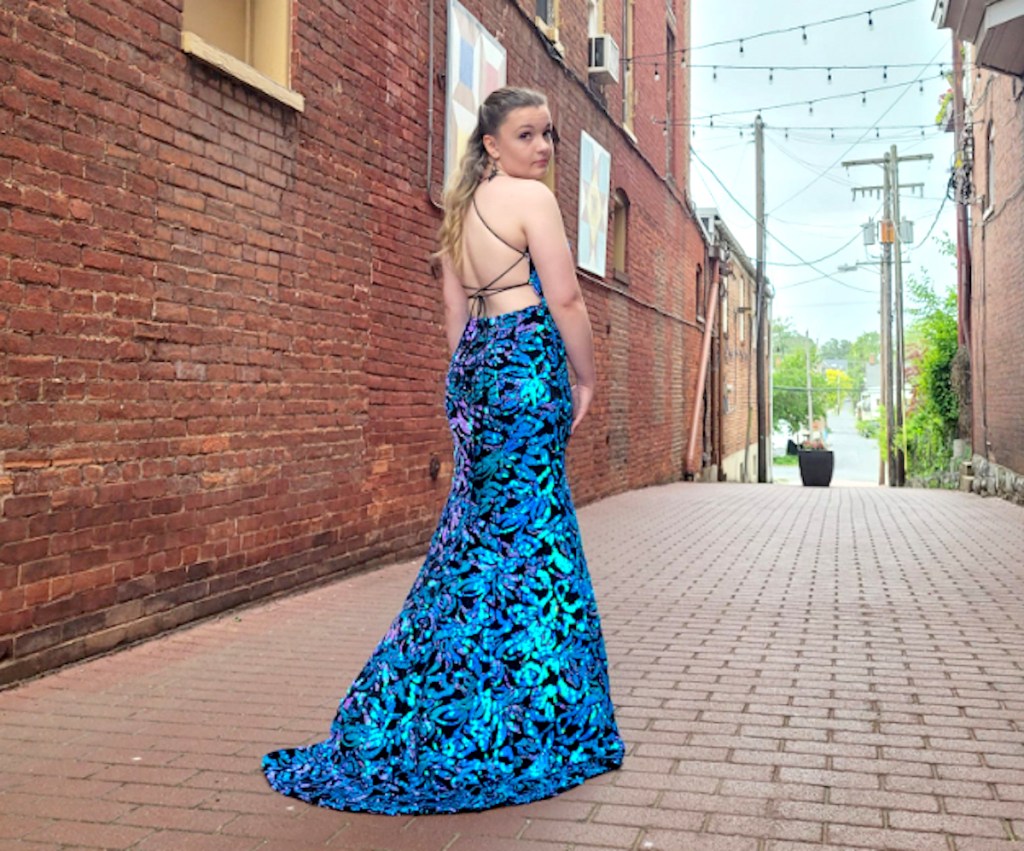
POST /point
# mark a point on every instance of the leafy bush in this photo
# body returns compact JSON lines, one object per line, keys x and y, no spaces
{"x":931,"y":420}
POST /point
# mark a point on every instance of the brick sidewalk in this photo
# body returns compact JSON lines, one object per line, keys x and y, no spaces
{"x":794,"y":669}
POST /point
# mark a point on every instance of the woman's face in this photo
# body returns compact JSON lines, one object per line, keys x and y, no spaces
{"x":522,"y":147}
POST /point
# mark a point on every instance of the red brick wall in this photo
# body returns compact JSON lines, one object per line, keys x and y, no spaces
{"x":997,"y":303}
{"x":222,"y":353}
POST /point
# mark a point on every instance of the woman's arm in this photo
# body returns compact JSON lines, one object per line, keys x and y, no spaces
{"x":549,"y":249}
{"x":456,"y":305}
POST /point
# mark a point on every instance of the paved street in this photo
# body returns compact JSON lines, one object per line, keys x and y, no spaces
{"x":856,"y":457}
{"x":794,"y":669}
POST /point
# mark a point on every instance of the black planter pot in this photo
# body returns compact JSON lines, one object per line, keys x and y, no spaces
{"x":816,"y":467}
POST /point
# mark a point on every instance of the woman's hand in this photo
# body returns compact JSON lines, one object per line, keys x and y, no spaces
{"x":582,"y":396}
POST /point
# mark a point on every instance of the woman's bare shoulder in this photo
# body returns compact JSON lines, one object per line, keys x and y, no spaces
{"x":528,"y":189}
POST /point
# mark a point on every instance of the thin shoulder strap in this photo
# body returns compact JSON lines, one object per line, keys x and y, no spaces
{"x":525,"y":252}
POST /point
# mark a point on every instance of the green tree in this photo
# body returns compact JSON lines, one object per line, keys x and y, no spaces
{"x":786,"y":339}
{"x":867,"y":348}
{"x":931,"y":344}
{"x":836,"y":349}
{"x":789,"y":388}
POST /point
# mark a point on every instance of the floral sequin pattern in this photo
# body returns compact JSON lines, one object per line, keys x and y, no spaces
{"x":490,"y":687}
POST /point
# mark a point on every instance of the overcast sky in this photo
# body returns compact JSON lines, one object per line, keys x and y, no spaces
{"x":810,"y":207}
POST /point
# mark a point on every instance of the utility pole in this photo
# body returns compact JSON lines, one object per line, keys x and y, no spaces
{"x":887,"y":326}
{"x":900,"y":372}
{"x":963,"y":237}
{"x":810,"y":395}
{"x":891,"y":466}
{"x":762,"y":308}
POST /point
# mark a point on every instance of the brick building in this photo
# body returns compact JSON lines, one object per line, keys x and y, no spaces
{"x":222,"y":355}
{"x":734,"y":376}
{"x":989,"y":126}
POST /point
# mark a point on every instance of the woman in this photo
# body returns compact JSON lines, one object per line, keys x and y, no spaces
{"x":491,"y":686}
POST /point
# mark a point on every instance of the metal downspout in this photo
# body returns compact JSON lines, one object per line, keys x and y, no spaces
{"x":710,"y":314}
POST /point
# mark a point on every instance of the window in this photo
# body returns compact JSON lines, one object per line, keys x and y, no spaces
{"x":547,"y":18}
{"x":742,"y":311}
{"x":248,"y":39}
{"x":620,"y":232}
{"x":699,"y":292}
{"x":990,"y":168}
{"x":628,"y":89}
{"x":724,"y":307}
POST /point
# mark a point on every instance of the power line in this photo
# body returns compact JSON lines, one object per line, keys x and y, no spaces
{"x":843,"y":156}
{"x":935,"y":221}
{"x":842,"y":247}
{"x":739,"y":204}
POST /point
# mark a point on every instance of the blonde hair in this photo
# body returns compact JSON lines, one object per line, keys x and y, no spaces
{"x":464,"y":181}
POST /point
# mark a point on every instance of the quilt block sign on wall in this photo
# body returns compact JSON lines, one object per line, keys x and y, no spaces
{"x":595,"y":174}
{"x":476,"y":67}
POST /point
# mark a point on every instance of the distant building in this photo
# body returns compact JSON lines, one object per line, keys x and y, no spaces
{"x":870,"y":403}
{"x":731,"y":396}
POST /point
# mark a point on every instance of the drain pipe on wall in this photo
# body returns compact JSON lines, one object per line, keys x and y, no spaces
{"x":431,"y":83}
{"x":710,"y":314}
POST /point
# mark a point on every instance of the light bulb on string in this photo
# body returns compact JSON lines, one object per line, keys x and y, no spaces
{"x":885,"y":72}
{"x":863,"y":98}
{"x":771,"y":75}
{"x":877,"y":135}
{"x":786,"y":132}
{"x":657,"y":73}
{"x":741,"y":47}
{"x":810,"y":107}
{"x":804,"y":34}
{"x":830,"y":76}
{"x":871,"y":21}
{"x":920,"y":87}
{"x":711,"y":121}
{"x":714,"y":72}
{"x":832,"y":132}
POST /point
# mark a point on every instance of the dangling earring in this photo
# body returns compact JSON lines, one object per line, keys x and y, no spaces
{"x":494,"y":170}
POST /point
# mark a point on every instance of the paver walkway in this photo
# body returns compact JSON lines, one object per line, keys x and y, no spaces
{"x":794,"y":669}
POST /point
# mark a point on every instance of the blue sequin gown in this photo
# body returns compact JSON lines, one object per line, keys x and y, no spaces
{"x":491,"y":685}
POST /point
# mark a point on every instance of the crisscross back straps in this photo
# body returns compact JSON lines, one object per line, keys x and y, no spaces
{"x":477,"y":298}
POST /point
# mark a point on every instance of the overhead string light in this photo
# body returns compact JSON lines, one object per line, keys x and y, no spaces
{"x":885,"y":72}
{"x":830,"y":76}
{"x":771,"y":75}
{"x":803,"y":28}
{"x":657,"y":73}
{"x":862,"y":94}
{"x":871,"y":21}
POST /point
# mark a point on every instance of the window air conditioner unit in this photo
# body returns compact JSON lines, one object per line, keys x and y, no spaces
{"x":603,"y":59}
